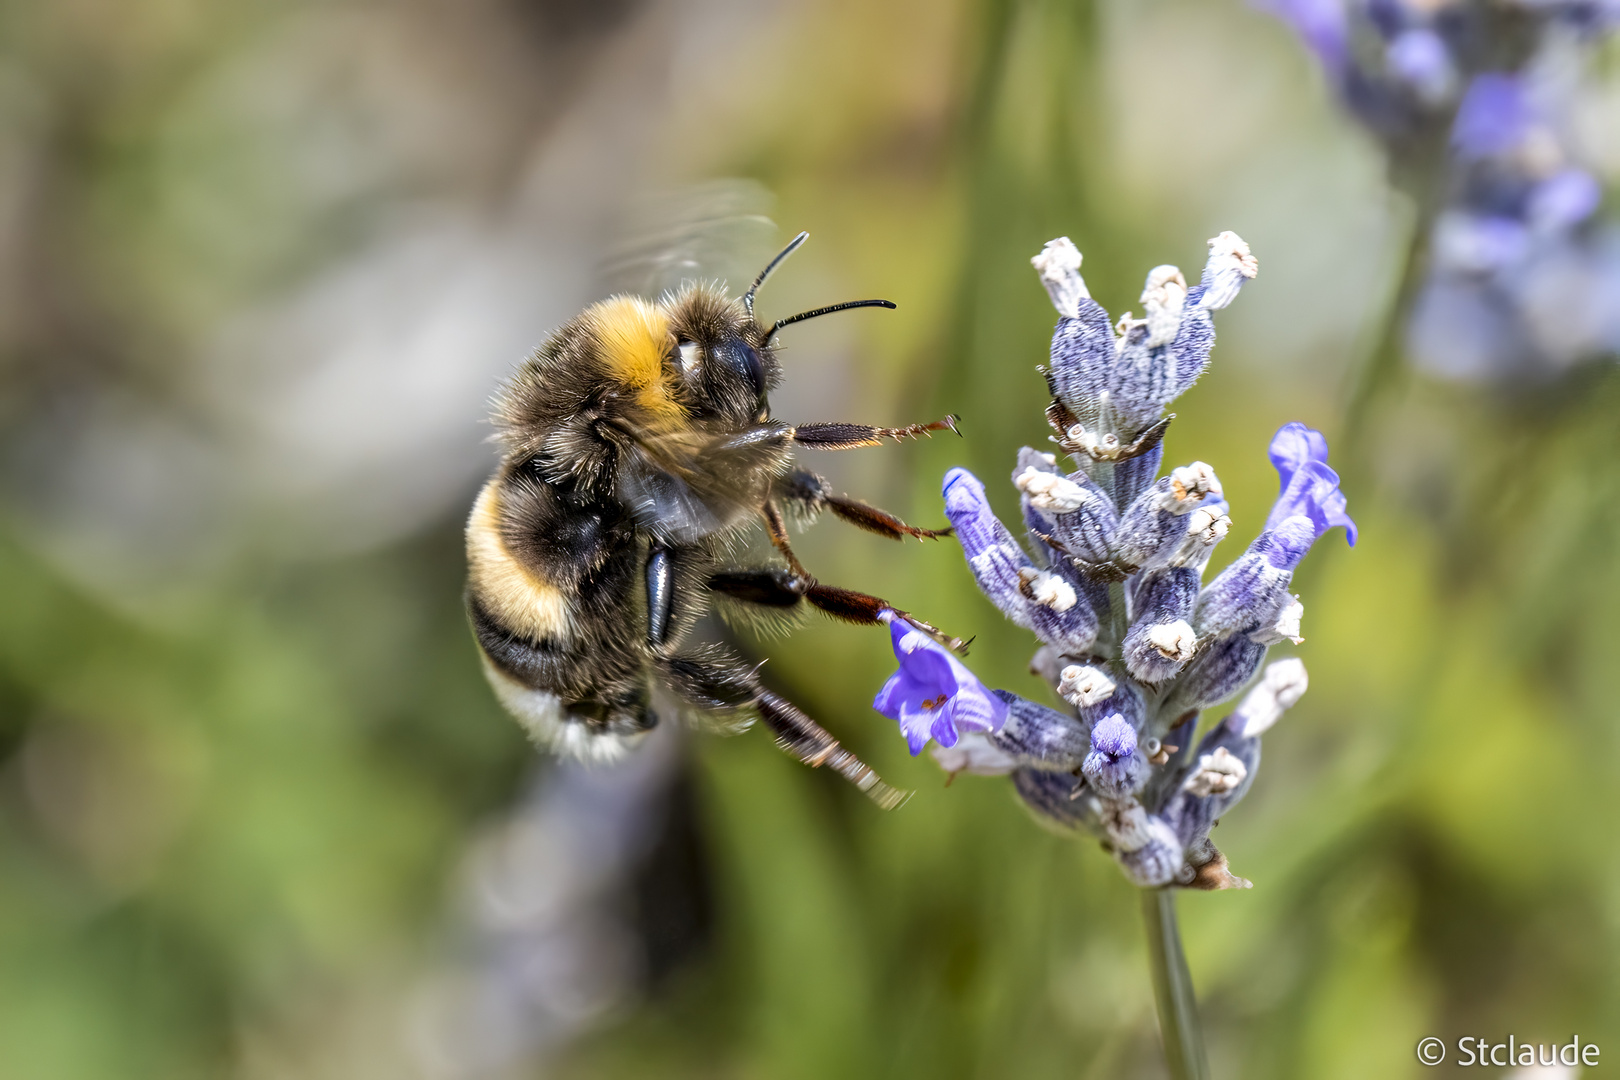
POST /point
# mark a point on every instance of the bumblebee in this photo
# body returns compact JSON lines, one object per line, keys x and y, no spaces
{"x":638,"y":448}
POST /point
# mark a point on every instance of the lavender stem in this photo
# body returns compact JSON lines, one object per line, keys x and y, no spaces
{"x":1173,"y":989}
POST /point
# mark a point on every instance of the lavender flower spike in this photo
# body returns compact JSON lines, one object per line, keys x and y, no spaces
{"x":933,"y":696}
{"x":1309,"y":488}
{"x":1108,"y":572}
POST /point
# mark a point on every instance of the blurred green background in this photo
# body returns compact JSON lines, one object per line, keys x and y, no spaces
{"x":262,"y":265}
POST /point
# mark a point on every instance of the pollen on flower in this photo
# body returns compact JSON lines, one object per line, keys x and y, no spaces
{"x":1084,"y":686}
{"x":1047,"y":589}
{"x":1217,"y":773}
{"x":1191,"y":485}
{"x":1175,"y":640}
{"x":1050,"y":491}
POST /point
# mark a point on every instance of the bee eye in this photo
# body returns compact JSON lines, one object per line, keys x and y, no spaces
{"x":690,"y":356}
{"x":741,"y":358}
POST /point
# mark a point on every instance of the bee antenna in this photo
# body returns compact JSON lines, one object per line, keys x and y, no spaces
{"x":803,"y":315}
{"x":770,"y":268}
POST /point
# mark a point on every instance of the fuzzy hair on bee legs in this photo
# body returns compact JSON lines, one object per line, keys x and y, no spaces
{"x":839,"y":436}
{"x":809,"y":494}
{"x":719,"y":683}
{"x":858,"y":608}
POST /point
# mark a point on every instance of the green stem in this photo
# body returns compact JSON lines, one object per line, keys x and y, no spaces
{"x":1173,"y":988}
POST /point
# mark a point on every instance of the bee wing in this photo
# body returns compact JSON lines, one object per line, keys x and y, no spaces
{"x":685,"y":485}
{"x":719,"y":230}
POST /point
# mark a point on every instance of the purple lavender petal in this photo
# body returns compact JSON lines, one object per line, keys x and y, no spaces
{"x":1309,"y":487}
{"x":1494,"y":117}
{"x":933,"y":695}
{"x":1113,"y":767}
{"x":1475,"y":243}
{"x":1564,"y":200}
{"x":1294,"y":445}
{"x":1419,"y":58}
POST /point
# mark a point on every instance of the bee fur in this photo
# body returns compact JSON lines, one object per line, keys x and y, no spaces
{"x":638,"y":449}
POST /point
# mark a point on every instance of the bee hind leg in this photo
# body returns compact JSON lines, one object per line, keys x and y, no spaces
{"x":724,"y":684}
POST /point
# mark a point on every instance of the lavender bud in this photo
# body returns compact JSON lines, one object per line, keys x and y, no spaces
{"x":1216,"y":774}
{"x":1163,"y":297}
{"x":1082,"y":353}
{"x":1286,"y":626}
{"x":1158,"y":862}
{"x":1125,"y":702}
{"x":1038,"y":737}
{"x":1279,"y":689}
{"x":1252,"y":592}
{"x":1206,"y":527}
{"x":1133,"y":475}
{"x":1152,"y":528}
{"x":1046,"y":589}
{"x":1113,"y":768}
{"x":1057,"y":614}
{"x":1050,"y":492}
{"x":993,"y":555}
{"x":1225,"y":766}
{"x":1050,"y":796}
{"x":1058,"y":264}
{"x":1084,"y":686}
{"x":1072,"y":509}
{"x":1145,"y":846}
{"x":1231,"y":265}
{"x":1161,"y":641}
{"x":1215,"y":674}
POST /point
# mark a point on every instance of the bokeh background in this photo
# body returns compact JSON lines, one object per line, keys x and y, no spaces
{"x":262,"y":265}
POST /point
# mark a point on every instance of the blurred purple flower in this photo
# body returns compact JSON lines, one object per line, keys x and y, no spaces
{"x":1310,"y":488}
{"x":1419,"y":58}
{"x":1494,"y":117}
{"x":932,"y":695}
{"x":1321,"y":24}
{"x":1564,"y":199}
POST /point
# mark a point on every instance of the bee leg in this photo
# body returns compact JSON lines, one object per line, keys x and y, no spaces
{"x":660,"y":595}
{"x":858,"y":608}
{"x":777,"y":587}
{"x":849,"y":436}
{"x":777,"y":529}
{"x":726,"y":684}
{"x":814,"y":494}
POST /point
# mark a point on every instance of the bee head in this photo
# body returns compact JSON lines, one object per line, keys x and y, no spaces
{"x":723,"y":362}
{"x":725,"y":357}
